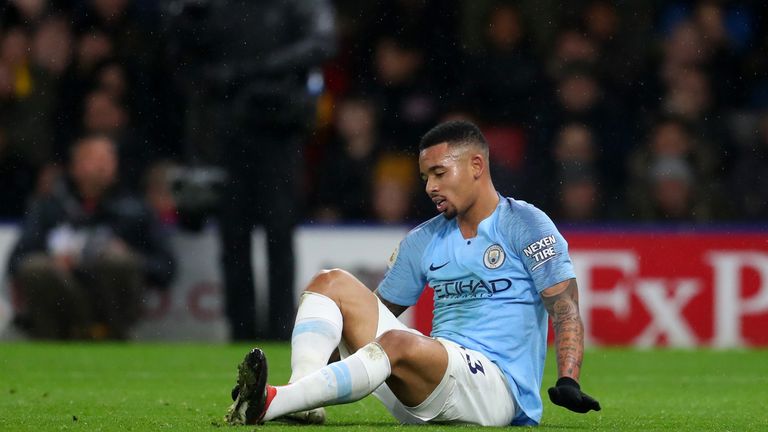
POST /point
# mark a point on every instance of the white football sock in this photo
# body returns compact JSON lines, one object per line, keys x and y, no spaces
{"x":342,"y":382}
{"x":316,"y":334}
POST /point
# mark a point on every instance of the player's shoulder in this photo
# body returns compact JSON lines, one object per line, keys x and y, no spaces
{"x":519,"y":211}
{"x":417,"y":239}
{"x":427,"y":229}
{"x":522,"y":222}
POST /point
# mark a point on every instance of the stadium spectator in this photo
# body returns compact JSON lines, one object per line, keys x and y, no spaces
{"x":252,"y":91}
{"x":31,"y":104}
{"x":578,"y":195}
{"x":22,"y":12}
{"x":87,"y":251}
{"x":133,"y":30}
{"x":575,"y":143}
{"x":131,"y":33}
{"x":620,"y":36}
{"x":695,"y":83}
{"x":392,"y":191}
{"x":672,"y":138}
{"x":105,"y":115}
{"x":52,"y":45}
{"x":602,"y":23}
{"x":755,"y":66}
{"x":576,"y":191}
{"x":689,"y":96}
{"x":52,"y":55}
{"x":17,"y":177}
{"x":674,"y":156}
{"x":724,"y":30}
{"x":671,"y":193}
{"x":92,"y":48}
{"x":429,"y":26}
{"x":112,"y":78}
{"x":571,"y":46}
{"x":344,"y":175}
{"x":580,"y":97}
{"x":484,"y":362}
{"x":723,"y":64}
{"x":504,"y":79}
{"x":748,"y":176}
{"x":404,"y":92}
{"x":682,"y":48}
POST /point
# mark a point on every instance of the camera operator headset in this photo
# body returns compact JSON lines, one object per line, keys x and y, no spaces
{"x":244,"y":67}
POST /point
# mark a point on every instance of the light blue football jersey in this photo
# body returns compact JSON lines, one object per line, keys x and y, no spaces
{"x":486,"y":289}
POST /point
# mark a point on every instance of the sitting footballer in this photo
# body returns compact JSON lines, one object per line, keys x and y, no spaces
{"x":499,"y":269}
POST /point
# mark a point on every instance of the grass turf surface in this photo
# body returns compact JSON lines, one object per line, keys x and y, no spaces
{"x":135,"y":387}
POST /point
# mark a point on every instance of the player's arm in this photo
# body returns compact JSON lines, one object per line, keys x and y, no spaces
{"x":394,"y":308}
{"x":405,"y":280}
{"x":562,"y":302}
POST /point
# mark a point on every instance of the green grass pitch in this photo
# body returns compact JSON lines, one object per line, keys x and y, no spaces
{"x":137,"y":387}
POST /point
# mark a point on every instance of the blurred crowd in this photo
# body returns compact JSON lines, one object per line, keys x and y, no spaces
{"x":595,"y":111}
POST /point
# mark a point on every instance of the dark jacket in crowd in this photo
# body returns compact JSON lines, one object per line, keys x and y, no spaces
{"x":117,"y":215}
{"x":255,"y":54}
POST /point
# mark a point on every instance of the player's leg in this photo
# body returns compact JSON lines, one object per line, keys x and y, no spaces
{"x":335,"y":306}
{"x":472,"y":390}
{"x":316,"y":333}
{"x":340,"y":382}
{"x":432,"y":380}
{"x":320,"y":323}
{"x":438,"y":380}
{"x":417,"y":366}
{"x":358,"y":305}
{"x":334,"y":302}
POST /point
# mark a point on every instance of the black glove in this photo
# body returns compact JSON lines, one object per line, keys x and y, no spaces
{"x":567,"y":393}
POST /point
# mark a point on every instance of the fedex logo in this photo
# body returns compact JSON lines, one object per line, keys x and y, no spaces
{"x":681,"y":307}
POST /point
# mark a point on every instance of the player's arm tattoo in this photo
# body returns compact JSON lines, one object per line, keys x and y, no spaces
{"x":395,"y":309}
{"x":562,"y":303}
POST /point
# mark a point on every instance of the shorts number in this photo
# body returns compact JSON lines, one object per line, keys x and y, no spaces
{"x":474,"y":365}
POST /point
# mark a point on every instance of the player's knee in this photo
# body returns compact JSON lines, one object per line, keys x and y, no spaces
{"x":398,"y":344}
{"x":329,"y":283}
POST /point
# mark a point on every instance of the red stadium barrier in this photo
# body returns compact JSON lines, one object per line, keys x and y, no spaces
{"x":666,"y":289}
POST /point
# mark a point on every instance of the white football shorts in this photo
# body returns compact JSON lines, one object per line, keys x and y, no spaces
{"x":473,"y":389}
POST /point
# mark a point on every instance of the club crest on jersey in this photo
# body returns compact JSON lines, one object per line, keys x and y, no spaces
{"x":494,"y":257}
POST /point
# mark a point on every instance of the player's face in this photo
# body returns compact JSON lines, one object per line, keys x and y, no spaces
{"x":448,"y":175}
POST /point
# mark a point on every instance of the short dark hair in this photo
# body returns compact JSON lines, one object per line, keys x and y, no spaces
{"x":455,"y":132}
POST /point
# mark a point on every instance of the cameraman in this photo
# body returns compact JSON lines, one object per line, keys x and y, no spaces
{"x":245,"y":67}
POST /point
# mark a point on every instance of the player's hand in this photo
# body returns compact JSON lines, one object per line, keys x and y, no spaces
{"x":567,"y":393}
